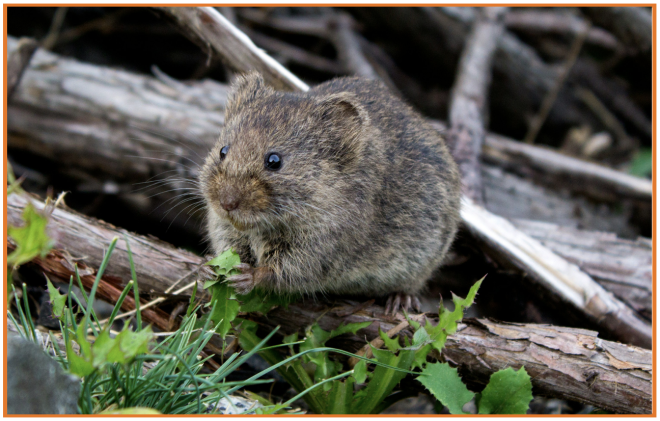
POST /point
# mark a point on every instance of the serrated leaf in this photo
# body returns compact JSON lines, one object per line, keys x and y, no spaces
{"x":227,"y":260}
{"x":31,"y":238}
{"x":445,"y":384}
{"x":391,"y":344}
{"x":448,"y":322}
{"x":57,"y":300}
{"x":132,"y":343}
{"x":508,"y":392}
{"x":77,"y":365}
{"x":226,"y":308}
{"x":210,"y":283}
{"x":420,"y":356}
{"x":421,"y":338}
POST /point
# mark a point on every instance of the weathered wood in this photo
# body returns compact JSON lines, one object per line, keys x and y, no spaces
{"x":565,"y":281}
{"x":563,"y":362}
{"x":17,"y":62}
{"x":622,"y":266}
{"x":632,"y":25}
{"x":209,"y":28}
{"x":537,"y":21}
{"x":468,"y":109}
{"x":86,"y":239}
{"x":554,"y":168}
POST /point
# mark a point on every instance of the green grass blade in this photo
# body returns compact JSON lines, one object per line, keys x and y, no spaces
{"x":120,"y":301}
{"x":136,"y":290}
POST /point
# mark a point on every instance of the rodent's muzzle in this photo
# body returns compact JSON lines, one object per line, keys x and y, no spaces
{"x":230,"y":199}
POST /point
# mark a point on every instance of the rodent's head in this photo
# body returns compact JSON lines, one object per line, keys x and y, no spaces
{"x":284,"y":156}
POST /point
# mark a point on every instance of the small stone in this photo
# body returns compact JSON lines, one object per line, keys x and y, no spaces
{"x":36,"y":384}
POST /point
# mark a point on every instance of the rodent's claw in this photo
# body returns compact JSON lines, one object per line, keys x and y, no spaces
{"x":416,"y":304}
{"x":403,"y":301}
{"x":243,"y":282}
{"x":243,"y":267}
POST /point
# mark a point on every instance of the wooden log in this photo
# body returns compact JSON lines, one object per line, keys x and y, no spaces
{"x":564,"y":363}
{"x":468,"y":111}
{"x":18,"y":61}
{"x":622,"y":266}
{"x":85,"y":239}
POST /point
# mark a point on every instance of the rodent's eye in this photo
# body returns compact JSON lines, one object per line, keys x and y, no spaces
{"x":273,"y":161}
{"x":223,"y":152}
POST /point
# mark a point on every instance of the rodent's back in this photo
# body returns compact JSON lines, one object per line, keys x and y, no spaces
{"x":417,"y":199}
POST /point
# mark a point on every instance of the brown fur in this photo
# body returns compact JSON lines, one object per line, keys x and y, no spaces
{"x":366,"y":201}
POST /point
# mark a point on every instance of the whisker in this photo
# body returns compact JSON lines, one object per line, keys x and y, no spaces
{"x":177,"y":215}
{"x":165,"y":136}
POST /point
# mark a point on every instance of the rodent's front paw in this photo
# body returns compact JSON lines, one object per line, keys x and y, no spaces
{"x":244,"y":282}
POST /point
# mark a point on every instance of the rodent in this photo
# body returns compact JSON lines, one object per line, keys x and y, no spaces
{"x":343,"y":189}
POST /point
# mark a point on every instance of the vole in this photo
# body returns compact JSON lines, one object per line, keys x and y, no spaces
{"x":343,"y":189}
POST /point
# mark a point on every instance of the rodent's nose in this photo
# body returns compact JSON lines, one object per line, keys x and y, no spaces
{"x":229,"y":203}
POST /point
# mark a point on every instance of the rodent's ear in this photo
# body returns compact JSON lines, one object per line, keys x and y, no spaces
{"x":343,"y":119}
{"x":245,"y":88}
{"x":342,"y":109}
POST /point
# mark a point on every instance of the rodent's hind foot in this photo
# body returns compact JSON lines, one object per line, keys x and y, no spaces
{"x":403,"y":301}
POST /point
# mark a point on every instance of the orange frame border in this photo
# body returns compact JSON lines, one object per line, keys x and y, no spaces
{"x":653,"y":181}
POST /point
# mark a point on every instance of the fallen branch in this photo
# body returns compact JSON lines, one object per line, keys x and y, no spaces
{"x":467,"y":112}
{"x":622,"y":266}
{"x":564,"y":363}
{"x":207,"y":27}
{"x":550,"y":21}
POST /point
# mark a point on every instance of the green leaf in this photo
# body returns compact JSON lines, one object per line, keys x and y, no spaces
{"x":642,"y":164}
{"x":360,"y":372}
{"x":225,"y":308}
{"x":383,"y":380}
{"x":445,"y":384}
{"x":57,"y":300}
{"x":349,"y":328}
{"x":339,"y":399}
{"x":316,"y":338}
{"x":259,"y":301}
{"x":77,"y":365}
{"x":227,"y":260}
{"x":448,"y":322}
{"x":508,"y":392}
{"x":31,"y":239}
{"x":421,"y":354}
{"x":390,"y":343}
{"x":129,"y":344}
